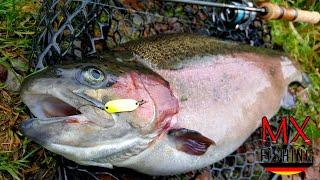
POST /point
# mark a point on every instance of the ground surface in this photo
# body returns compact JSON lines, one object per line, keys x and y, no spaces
{"x":21,"y":159}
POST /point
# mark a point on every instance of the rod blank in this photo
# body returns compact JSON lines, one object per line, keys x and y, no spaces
{"x":214,"y":4}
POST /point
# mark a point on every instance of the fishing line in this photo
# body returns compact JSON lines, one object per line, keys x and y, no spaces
{"x":220,"y":5}
{"x":93,"y":105}
{"x":232,"y":16}
{"x":186,"y":22}
{"x":91,"y":174}
{"x":131,"y":11}
{"x":87,"y":24}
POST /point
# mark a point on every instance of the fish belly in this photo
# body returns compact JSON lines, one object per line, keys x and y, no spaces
{"x":224,"y":97}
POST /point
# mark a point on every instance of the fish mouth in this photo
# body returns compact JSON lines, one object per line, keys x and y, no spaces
{"x":60,"y":115}
{"x":63,"y":107}
{"x":49,"y":106}
{"x":64,"y":127}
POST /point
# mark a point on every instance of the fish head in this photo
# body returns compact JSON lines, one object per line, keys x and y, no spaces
{"x":69,"y":120}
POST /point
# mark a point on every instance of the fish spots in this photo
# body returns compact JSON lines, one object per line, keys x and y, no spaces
{"x":272,"y":71}
{"x":110,"y":83}
{"x":184,"y":98}
{"x":165,"y":52}
{"x":105,"y":99}
{"x":223,"y":90}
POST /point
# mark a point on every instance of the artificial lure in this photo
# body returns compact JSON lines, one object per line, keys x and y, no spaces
{"x":122,"y":105}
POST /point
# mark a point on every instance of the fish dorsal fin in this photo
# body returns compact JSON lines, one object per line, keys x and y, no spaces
{"x":189,"y":141}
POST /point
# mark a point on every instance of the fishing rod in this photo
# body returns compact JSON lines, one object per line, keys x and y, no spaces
{"x":221,"y":5}
{"x":266,"y":10}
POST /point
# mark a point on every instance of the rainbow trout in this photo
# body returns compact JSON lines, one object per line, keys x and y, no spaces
{"x":202,"y":99}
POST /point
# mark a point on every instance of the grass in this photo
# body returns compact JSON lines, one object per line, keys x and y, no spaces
{"x":20,"y":158}
{"x":13,"y":166}
{"x":17,"y":26}
{"x":302,"y":42}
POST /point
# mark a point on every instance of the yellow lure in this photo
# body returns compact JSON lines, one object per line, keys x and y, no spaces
{"x":121,"y":105}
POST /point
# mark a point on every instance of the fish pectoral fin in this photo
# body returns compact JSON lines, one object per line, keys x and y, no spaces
{"x":189,"y":141}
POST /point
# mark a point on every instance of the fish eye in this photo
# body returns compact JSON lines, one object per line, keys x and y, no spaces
{"x":93,"y":75}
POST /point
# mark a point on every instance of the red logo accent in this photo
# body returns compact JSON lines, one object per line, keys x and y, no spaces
{"x":283,"y":128}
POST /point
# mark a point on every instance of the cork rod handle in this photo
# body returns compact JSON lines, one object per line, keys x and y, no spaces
{"x":277,"y":12}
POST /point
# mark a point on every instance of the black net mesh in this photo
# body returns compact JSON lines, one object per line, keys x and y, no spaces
{"x":73,"y":30}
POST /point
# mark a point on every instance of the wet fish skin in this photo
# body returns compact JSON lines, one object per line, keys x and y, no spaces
{"x":204,"y":97}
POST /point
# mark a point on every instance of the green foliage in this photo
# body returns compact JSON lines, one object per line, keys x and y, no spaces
{"x":14,"y":166}
{"x":18,"y":24}
{"x":302,"y":42}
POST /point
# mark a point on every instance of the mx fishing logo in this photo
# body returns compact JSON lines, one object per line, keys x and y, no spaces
{"x":281,"y":156}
